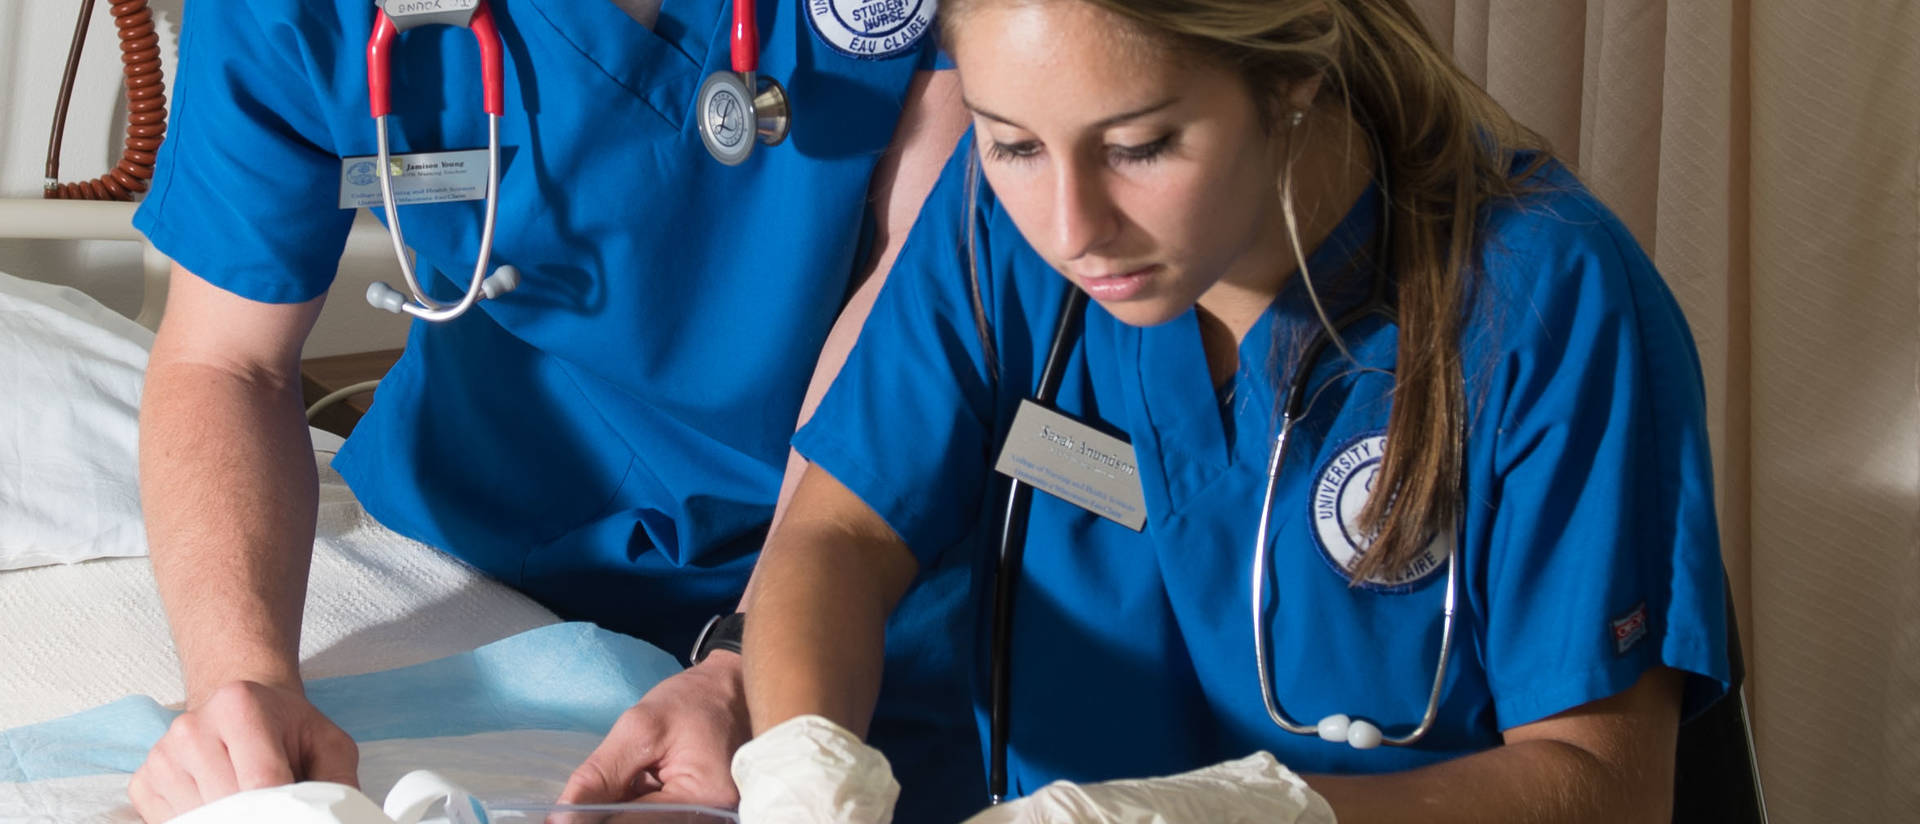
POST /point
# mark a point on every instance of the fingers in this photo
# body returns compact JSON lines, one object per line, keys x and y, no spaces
{"x":621,"y":762}
{"x":694,"y":778}
{"x":245,"y":736}
{"x":693,"y":791}
{"x":187,"y":767}
{"x":159,"y":790}
{"x":255,"y":755}
{"x":329,"y":754}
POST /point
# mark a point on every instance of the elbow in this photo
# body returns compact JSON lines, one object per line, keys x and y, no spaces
{"x":1627,"y":791}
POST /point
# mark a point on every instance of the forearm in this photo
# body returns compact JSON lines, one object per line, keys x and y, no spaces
{"x":817,"y":636}
{"x":1524,"y":781}
{"x":821,"y":594}
{"x":229,"y":491}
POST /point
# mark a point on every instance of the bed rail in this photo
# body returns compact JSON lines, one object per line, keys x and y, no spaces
{"x":39,"y":219}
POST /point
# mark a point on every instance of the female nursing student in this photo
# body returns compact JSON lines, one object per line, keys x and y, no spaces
{"x":1500,"y":399}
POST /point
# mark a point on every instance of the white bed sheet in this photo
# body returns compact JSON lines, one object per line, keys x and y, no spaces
{"x":82,"y":635}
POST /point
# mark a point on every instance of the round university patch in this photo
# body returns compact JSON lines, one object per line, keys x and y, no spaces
{"x":1340,"y":491}
{"x":870,"y":29}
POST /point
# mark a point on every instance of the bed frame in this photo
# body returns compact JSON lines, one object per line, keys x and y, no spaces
{"x":38,"y":219}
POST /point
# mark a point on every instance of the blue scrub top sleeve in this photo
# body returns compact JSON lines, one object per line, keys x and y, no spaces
{"x":246,"y":189}
{"x":1602,"y":559}
{"x":907,"y":424}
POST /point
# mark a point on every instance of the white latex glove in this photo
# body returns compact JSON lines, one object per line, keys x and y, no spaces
{"x":1252,"y":790}
{"x":808,"y":770}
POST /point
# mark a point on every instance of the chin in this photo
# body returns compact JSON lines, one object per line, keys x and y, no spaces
{"x":1144,"y":312}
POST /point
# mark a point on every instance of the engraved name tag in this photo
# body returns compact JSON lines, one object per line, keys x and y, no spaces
{"x":1075,"y":463}
{"x":423,"y":177}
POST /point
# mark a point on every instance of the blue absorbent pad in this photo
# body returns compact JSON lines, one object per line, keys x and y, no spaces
{"x":571,"y":677}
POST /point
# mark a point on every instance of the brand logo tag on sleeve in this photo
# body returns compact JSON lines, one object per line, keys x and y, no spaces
{"x":1075,"y":463}
{"x":1629,"y":629}
{"x":423,"y":177}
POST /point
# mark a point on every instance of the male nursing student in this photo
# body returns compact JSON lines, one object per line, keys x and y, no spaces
{"x":609,"y":437}
{"x":1500,"y":373}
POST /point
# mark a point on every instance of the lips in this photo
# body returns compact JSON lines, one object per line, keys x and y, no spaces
{"x":1117,"y":287}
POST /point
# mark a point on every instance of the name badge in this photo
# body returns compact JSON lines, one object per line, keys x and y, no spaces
{"x":1075,"y":463}
{"x":422,"y":177}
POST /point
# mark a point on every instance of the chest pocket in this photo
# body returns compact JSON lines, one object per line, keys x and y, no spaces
{"x":662,"y":66}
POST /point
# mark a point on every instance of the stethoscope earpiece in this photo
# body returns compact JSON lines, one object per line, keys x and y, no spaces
{"x":502,"y":281}
{"x":383,"y":296}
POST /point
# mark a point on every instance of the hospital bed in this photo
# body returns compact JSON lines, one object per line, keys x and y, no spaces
{"x":84,"y":627}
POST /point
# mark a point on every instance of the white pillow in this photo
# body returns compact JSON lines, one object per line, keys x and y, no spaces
{"x":70,"y":374}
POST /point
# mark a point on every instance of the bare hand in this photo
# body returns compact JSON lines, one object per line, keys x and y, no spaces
{"x":675,"y":746}
{"x":244,"y":736}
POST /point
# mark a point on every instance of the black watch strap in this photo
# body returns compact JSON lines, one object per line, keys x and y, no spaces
{"x":721,"y":632}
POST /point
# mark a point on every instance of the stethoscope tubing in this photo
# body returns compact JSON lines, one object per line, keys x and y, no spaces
{"x":486,"y":35}
{"x":422,"y":306}
{"x":1296,"y":407}
{"x":1013,"y":541}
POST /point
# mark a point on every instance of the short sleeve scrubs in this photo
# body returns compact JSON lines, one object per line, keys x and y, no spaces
{"x":610,"y":436}
{"x":1587,"y":547}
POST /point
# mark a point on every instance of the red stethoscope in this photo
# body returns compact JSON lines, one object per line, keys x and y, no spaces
{"x":730,"y":119}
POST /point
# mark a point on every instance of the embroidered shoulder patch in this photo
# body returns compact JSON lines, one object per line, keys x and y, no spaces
{"x":870,"y":29}
{"x":1340,"y":491}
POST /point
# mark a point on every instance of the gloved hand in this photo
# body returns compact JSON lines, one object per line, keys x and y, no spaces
{"x":1253,"y":789}
{"x":808,"y":770}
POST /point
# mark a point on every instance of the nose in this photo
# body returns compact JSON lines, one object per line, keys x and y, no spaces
{"x":1085,"y":218}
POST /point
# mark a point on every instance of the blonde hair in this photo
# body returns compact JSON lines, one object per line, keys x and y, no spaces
{"x":1448,"y":149}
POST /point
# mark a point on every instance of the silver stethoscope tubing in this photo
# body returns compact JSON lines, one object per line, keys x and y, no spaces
{"x":481,"y":285}
{"x":1337,"y":728}
{"x":477,"y":17}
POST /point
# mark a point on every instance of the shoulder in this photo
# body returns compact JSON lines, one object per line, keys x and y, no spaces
{"x":1555,"y":256}
{"x":328,"y":19}
{"x":1553,"y":230}
{"x":288,"y":32}
{"x":1566,"y":301}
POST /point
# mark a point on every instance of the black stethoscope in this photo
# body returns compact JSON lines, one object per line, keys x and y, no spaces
{"x":730,"y":120}
{"x":1338,"y":727}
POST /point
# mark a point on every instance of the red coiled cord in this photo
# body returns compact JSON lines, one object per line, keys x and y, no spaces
{"x":146,"y":107}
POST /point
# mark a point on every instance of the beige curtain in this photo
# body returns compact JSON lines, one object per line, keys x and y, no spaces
{"x":1767,"y":152}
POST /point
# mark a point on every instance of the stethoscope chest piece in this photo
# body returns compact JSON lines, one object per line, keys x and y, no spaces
{"x":731,"y":121}
{"x":739,"y":108}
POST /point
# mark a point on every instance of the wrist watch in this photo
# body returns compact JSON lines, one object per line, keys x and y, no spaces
{"x":721,"y":632}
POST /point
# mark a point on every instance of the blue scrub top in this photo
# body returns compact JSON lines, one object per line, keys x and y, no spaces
{"x":1589,"y":545}
{"x":610,"y":436}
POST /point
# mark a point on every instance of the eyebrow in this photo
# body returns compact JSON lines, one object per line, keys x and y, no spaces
{"x":1105,"y":122}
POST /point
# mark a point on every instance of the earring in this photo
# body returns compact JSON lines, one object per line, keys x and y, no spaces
{"x":1295,"y":118}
